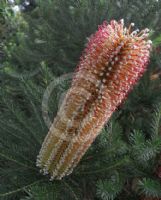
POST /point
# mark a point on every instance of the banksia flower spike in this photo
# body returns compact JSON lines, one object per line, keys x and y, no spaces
{"x":113,"y":61}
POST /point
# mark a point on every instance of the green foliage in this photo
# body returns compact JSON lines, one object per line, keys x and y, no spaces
{"x":138,"y":108}
{"x":155,"y":120}
{"x":144,"y":150}
{"x":157,"y":41}
{"x":108,"y":165}
{"x":109,"y":189}
{"x":150,"y":187}
{"x":48,"y":191}
{"x":55,"y":32}
{"x":44,"y":43}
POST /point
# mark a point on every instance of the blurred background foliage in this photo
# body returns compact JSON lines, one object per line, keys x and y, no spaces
{"x":42,"y":40}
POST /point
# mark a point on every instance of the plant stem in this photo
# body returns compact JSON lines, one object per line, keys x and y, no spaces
{"x":19,"y":189}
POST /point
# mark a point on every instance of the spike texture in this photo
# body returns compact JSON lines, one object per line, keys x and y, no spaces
{"x":113,"y":61}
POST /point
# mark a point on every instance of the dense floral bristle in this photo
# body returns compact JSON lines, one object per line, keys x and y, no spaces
{"x":113,"y":61}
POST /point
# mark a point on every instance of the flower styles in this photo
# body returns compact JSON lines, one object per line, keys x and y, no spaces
{"x":113,"y":61}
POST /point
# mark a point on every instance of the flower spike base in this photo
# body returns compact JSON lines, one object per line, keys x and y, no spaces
{"x":113,"y":61}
